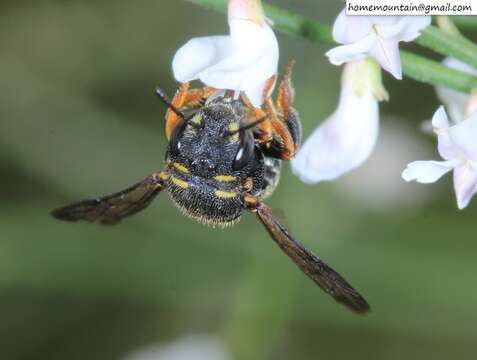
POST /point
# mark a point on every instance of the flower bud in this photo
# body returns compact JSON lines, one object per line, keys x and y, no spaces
{"x":247,"y":10}
{"x":471,"y":105}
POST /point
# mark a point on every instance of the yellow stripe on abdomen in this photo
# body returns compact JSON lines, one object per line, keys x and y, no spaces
{"x":181,"y":168}
{"x":180,"y":183}
{"x":225,"y":178}
{"x":225,"y":194}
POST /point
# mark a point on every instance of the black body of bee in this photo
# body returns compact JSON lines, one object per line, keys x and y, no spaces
{"x":209,"y":166}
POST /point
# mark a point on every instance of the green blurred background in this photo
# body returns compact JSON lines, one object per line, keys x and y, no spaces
{"x":79,"y":119}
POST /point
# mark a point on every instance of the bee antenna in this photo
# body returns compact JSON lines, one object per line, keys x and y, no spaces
{"x":245,"y":127}
{"x":165,"y":99}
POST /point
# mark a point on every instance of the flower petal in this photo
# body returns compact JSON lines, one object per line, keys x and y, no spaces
{"x":197,"y":55}
{"x":256,"y":94}
{"x":341,"y":143}
{"x":414,"y":27}
{"x":386,"y":52}
{"x":391,"y":28}
{"x":426,"y":172}
{"x":350,"y":29}
{"x":244,"y":60}
{"x":464,"y":136}
{"x":385,"y":20}
{"x":355,"y":51}
{"x":446,"y":147}
{"x":440,"y":119}
{"x":465,"y":184}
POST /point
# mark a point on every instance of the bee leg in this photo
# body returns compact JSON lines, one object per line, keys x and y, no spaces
{"x":264,"y":129}
{"x":286,"y":135}
{"x":197,"y":97}
{"x":173,"y":119}
{"x":185,"y":98}
{"x":316,"y":269}
{"x":280,"y":133}
{"x":282,"y":144}
{"x":286,"y":96}
{"x":267,"y":89}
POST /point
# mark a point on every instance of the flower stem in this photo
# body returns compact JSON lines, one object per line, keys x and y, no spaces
{"x":447,"y":25}
{"x":432,"y":72}
{"x":449,"y":44}
{"x":414,"y":66}
{"x":465,"y":22}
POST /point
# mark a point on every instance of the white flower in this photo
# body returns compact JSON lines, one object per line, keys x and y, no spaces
{"x":346,"y":139}
{"x":458,"y":104}
{"x":242,"y":61}
{"x":377,"y":36}
{"x":457,"y":145}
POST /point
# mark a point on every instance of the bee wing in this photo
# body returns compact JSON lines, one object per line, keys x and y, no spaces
{"x":111,"y":209}
{"x":323,"y":275}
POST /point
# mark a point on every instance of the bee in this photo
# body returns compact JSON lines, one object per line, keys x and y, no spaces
{"x":223,"y":157}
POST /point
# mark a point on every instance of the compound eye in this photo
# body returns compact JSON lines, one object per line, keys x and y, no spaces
{"x":245,"y":152}
{"x":176,"y":136}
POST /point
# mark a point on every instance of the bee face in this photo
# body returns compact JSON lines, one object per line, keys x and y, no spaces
{"x":210,"y":164}
{"x":204,"y":146}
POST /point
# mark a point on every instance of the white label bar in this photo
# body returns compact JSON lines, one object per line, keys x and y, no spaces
{"x":411,"y":7}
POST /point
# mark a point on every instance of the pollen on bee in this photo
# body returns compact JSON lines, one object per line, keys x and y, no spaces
{"x":248,"y":184}
{"x":181,"y":168}
{"x":163,"y":176}
{"x":197,"y":119}
{"x":180,"y":183}
{"x":225,"y":178}
{"x":234,"y":127}
{"x":225,"y":194}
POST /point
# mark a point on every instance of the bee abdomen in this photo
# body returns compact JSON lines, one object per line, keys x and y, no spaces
{"x":206,"y":204}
